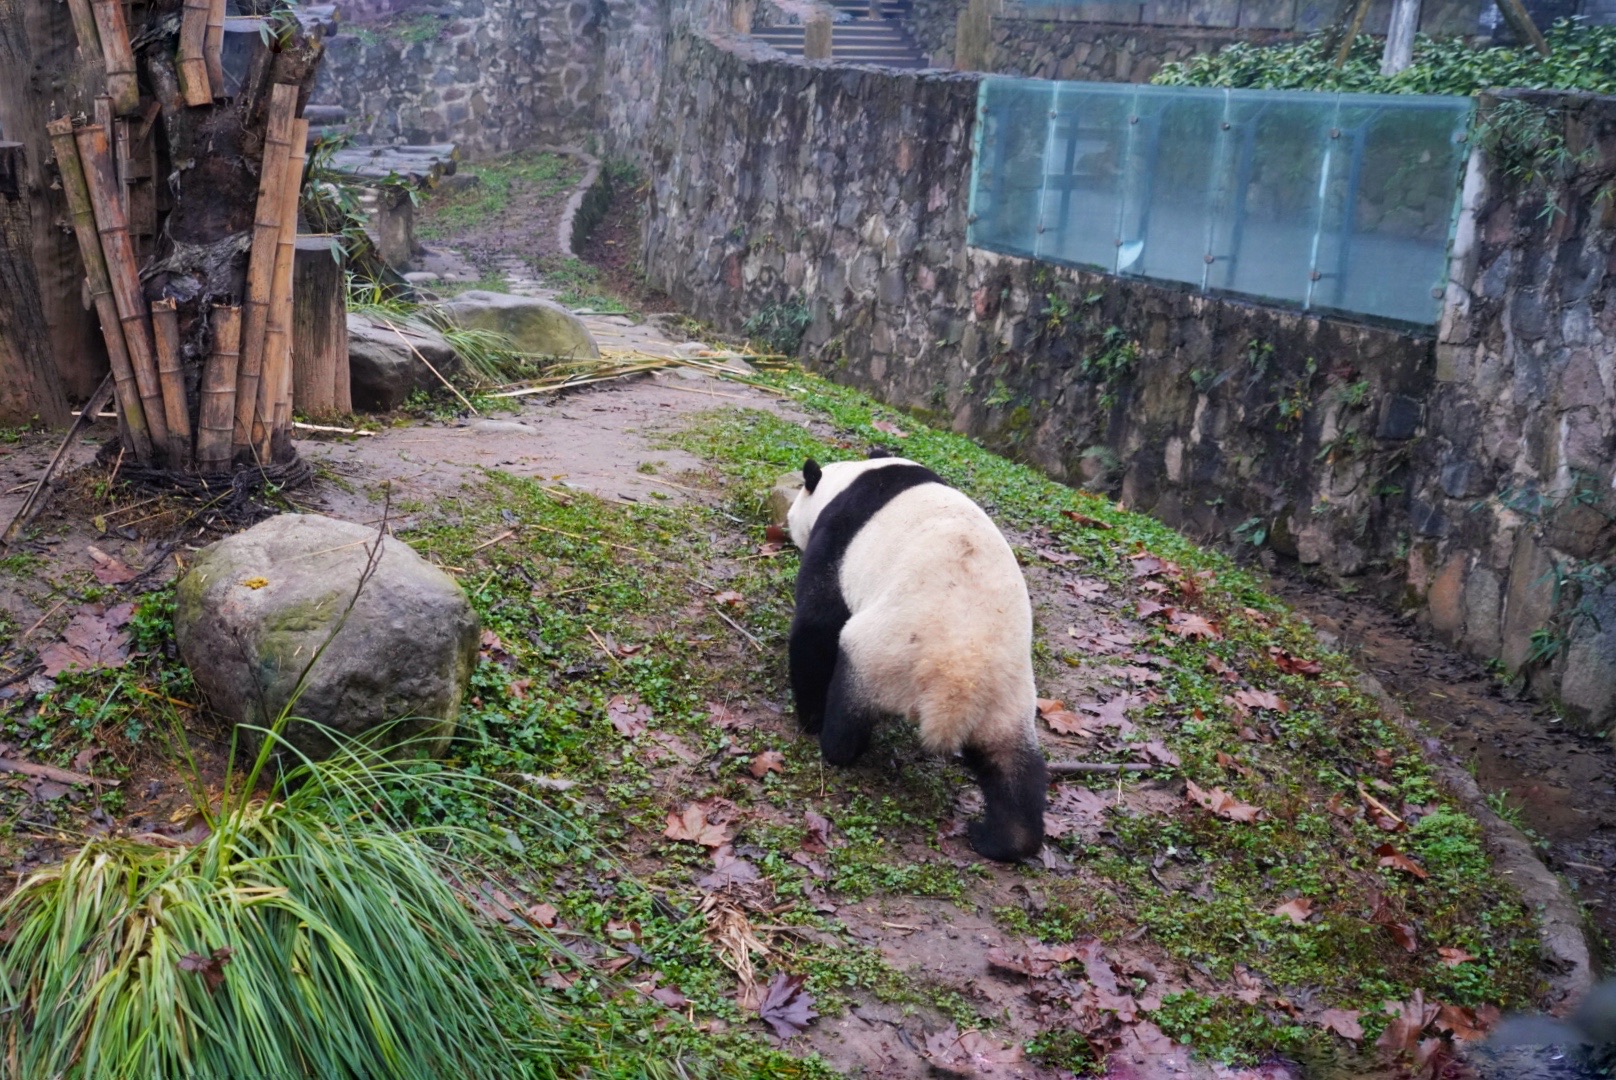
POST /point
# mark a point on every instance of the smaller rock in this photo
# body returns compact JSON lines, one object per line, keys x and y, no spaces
{"x":383,"y":365}
{"x":782,"y":495}
{"x":460,"y":182}
{"x":500,"y":427}
{"x":536,"y":327}
{"x":421,"y":277}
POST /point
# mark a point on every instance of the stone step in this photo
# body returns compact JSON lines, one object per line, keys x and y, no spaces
{"x":872,"y":36}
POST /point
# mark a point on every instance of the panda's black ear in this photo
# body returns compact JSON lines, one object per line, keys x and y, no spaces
{"x":810,"y":475}
{"x":879,"y":452}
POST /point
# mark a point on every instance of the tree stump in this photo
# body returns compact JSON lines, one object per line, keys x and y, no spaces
{"x":320,"y":383}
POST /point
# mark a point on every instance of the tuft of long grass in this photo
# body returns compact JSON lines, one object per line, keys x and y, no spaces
{"x":298,"y":939}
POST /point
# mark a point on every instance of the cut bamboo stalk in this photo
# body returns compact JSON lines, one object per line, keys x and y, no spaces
{"x":213,"y":47}
{"x":171,"y":375}
{"x":261,"y":264}
{"x":102,"y":114}
{"x":195,"y":83}
{"x":216,"y":423}
{"x":123,"y":274}
{"x":118,"y":54}
{"x":84,"y":29}
{"x":275,"y":388}
{"x":95,"y":269}
{"x":123,"y":166}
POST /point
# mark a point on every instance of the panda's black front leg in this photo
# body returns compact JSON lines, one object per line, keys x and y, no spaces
{"x":1014,"y":782}
{"x":812,"y":650}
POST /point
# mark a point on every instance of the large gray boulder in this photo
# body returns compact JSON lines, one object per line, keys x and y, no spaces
{"x":537,"y":327}
{"x":255,"y":608}
{"x":383,"y":365}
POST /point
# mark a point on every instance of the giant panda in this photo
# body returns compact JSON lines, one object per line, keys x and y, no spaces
{"x":910,"y":603}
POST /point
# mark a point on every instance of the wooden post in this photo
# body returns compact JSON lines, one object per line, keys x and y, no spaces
{"x":816,"y":36}
{"x":1520,"y":21}
{"x":216,"y":423}
{"x":275,"y":388}
{"x":193,"y":64}
{"x":261,"y":264}
{"x":30,"y":385}
{"x":320,"y":330}
{"x":1359,"y":13}
{"x":124,"y":274}
{"x":1400,"y":37}
{"x":119,"y":56}
{"x":95,"y":267}
{"x":213,"y":46}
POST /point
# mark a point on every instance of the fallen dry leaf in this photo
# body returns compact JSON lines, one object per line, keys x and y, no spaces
{"x":817,"y":829}
{"x":1402,"y":932}
{"x":1072,"y":808}
{"x":728,"y":869}
{"x":1391,"y":857}
{"x":1297,"y":911}
{"x":767,"y":762}
{"x":543,"y":914}
{"x":1409,"y":1019}
{"x":1035,"y":961}
{"x":1454,"y":957}
{"x":774,"y":534}
{"x":109,"y":569}
{"x":211,"y":967}
{"x":1156,"y":750}
{"x":1063,"y":722}
{"x":669,"y":996}
{"x":1187,"y":624}
{"x":1465,"y":1025}
{"x":1344,"y":1022}
{"x":1222,"y":804}
{"x":787,"y":1007}
{"x":889,"y":428}
{"x":1084,"y":520}
{"x":691,"y":824}
{"x":1059,"y":558}
{"x":1114,"y":713}
{"x":1048,"y":705}
{"x":720,"y":715}
{"x":1291,"y":665}
{"x":1146,"y":564}
{"x":1259,"y":699}
{"x":954,"y":1052}
{"x":93,"y":639}
{"x":1145,"y":608}
{"x":1087,"y":589}
{"x":627,"y":715}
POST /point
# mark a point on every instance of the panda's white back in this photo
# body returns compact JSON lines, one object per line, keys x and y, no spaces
{"x":941,"y":627}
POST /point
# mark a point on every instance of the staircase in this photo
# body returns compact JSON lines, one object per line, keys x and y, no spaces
{"x":856,"y":37}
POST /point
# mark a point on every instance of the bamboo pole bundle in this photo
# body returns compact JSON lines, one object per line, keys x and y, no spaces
{"x":171,"y":376}
{"x":131,"y":414}
{"x":193,"y":65}
{"x":275,"y":388}
{"x":84,"y":29}
{"x":213,"y":46}
{"x":216,"y":423}
{"x":261,"y":263}
{"x":124,"y":274}
{"x":118,"y":54}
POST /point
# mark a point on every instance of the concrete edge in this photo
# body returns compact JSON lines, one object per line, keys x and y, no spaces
{"x":566,"y":229}
{"x":1568,"y":960}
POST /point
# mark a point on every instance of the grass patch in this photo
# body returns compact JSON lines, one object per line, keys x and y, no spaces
{"x":578,"y":285}
{"x":526,"y":175}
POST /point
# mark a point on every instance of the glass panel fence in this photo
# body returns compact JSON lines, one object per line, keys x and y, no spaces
{"x":1327,"y":202}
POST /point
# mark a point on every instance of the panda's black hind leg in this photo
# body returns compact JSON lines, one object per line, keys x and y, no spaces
{"x":812,"y":650}
{"x":848,"y":720}
{"x":1014,"y":783}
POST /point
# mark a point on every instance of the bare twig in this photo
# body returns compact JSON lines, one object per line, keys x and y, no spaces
{"x":51,"y":772}
{"x":1069,"y":768}
{"x":35,"y":502}
{"x":756,"y":644}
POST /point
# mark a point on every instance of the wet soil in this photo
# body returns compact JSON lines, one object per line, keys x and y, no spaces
{"x":613,"y":248}
{"x":1562,"y":785}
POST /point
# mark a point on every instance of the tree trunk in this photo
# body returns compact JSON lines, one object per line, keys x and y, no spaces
{"x":29,"y":385}
{"x":320,"y":331}
{"x":1400,"y":37}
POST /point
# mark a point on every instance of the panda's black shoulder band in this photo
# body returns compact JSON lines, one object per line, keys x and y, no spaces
{"x":850,"y":511}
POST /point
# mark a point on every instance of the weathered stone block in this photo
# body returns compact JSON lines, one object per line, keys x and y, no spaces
{"x":255,"y":610}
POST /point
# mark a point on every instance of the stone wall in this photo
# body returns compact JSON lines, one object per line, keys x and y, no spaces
{"x":489,"y":75}
{"x":1379,"y":456}
{"x":1105,"y":52}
